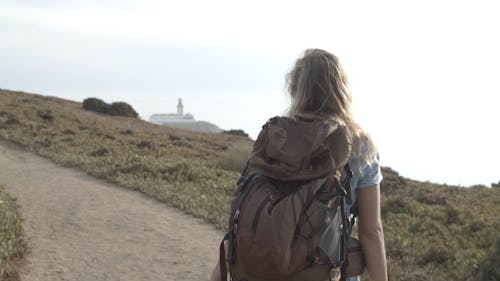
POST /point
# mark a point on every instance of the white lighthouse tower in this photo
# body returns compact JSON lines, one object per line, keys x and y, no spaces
{"x":180,"y":108}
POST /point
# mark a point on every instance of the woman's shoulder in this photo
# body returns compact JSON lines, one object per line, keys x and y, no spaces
{"x":366,"y":165}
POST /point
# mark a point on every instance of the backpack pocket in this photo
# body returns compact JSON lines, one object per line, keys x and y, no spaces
{"x":329,"y":233}
{"x":268,"y":201}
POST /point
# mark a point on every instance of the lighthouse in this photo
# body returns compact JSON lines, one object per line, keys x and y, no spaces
{"x":180,"y":108}
{"x":166,"y":118}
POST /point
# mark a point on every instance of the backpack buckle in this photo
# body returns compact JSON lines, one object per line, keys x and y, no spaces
{"x":236,"y":218}
{"x":342,"y":190}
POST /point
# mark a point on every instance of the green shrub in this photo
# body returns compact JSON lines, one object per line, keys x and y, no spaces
{"x":453,"y":215}
{"x":437,"y":254}
{"x":399,"y":205}
{"x":145,"y":144}
{"x":96,"y":105}
{"x":127,"y":132}
{"x":174,"y":137}
{"x":116,"y":108}
{"x":235,"y":158}
{"x":99,"y":152}
{"x":236,"y":133}
{"x":392,"y":181}
{"x":46,"y":115}
{"x":488,"y":268}
{"x":122,"y":109}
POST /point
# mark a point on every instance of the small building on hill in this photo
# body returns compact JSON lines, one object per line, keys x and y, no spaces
{"x":183,"y":121}
{"x":162,"y":118}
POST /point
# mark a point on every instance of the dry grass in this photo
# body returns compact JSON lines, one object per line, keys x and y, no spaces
{"x":433,"y":232}
{"x":235,"y":158}
{"x":12,"y":245}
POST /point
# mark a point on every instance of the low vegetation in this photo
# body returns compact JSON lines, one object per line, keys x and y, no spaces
{"x":12,"y":245}
{"x":433,"y":232}
{"x":440,"y":231}
{"x":115,"y":108}
{"x":489,"y":269}
{"x":235,"y":158}
{"x":236,"y":133}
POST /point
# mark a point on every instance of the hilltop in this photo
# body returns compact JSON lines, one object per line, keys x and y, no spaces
{"x":442,"y":231}
{"x":196,"y":126}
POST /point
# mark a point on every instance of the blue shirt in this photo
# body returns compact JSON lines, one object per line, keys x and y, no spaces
{"x":364,"y":176}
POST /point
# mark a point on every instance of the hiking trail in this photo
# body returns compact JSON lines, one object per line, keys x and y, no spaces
{"x":82,"y":228}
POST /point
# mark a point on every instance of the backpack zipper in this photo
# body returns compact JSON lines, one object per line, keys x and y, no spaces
{"x":255,"y":222}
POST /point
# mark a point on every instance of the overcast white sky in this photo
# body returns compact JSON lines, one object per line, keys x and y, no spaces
{"x":423,"y":73}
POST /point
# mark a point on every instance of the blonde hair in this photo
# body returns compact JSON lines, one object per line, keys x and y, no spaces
{"x":319,"y":89}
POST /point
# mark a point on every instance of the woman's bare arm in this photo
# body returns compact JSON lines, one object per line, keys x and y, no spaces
{"x":371,"y":233}
{"x":216,"y":273}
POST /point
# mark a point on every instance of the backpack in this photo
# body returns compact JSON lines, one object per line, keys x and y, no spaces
{"x":288,"y":219}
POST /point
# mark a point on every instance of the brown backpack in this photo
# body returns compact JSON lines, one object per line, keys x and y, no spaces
{"x":288,"y":219}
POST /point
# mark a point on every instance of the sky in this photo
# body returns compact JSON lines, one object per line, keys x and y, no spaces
{"x":423,"y":73}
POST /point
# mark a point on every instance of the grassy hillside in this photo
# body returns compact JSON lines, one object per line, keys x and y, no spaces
{"x":433,"y":232}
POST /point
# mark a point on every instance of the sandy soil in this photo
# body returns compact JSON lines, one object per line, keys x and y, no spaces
{"x":81,"y":228}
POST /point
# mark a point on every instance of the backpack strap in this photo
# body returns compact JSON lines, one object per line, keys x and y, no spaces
{"x":230,"y":236}
{"x":344,"y":239}
{"x":346,"y":185}
{"x":222,"y":258}
{"x":347,"y":182}
{"x":354,"y":212}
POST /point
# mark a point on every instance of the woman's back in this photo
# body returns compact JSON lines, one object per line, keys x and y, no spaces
{"x":319,"y":90}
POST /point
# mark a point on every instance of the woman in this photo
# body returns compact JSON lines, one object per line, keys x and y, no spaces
{"x":319,"y":89}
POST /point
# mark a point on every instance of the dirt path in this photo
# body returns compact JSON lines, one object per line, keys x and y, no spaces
{"x":80,"y":228}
